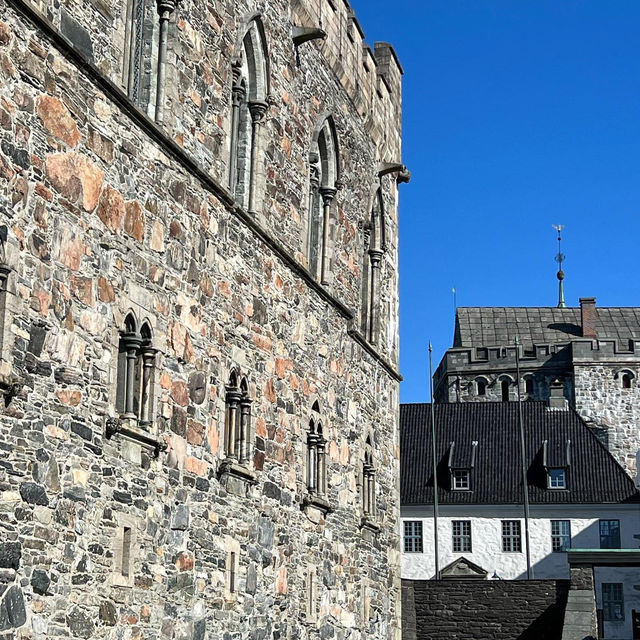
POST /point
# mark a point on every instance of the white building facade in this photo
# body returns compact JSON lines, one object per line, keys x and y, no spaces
{"x":481,"y":525}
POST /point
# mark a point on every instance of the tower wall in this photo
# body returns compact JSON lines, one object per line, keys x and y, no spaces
{"x":108,"y":214}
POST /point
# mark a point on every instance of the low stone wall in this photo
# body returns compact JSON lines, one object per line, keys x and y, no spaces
{"x":497,"y":609}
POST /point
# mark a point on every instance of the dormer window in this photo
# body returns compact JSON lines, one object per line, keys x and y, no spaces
{"x":557,"y":478}
{"x":461,"y":479}
{"x":462,"y":459}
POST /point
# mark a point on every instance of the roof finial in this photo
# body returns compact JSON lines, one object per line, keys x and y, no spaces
{"x":559,"y":259}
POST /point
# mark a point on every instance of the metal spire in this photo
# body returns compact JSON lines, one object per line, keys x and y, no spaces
{"x":559,"y":259}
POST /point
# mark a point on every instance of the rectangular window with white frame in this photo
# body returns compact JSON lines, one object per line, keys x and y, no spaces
{"x":612,"y":602}
{"x":610,"y":534}
{"x":560,"y":535}
{"x":413,"y":536}
{"x":461,"y":536}
{"x":461,"y":479}
{"x":511,"y":536}
{"x":557,"y":478}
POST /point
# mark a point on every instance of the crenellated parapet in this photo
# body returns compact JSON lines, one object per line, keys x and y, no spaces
{"x":372,"y":77}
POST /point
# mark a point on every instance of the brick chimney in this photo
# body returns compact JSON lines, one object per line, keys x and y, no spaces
{"x":589,"y":315}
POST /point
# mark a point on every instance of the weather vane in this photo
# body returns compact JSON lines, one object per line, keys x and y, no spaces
{"x":559,"y":259}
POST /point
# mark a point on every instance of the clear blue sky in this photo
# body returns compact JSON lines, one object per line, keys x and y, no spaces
{"x":517,"y":114}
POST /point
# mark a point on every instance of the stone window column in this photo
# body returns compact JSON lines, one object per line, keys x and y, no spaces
{"x":132,"y":343}
{"x":328,"y":194}
{"x":312,"y":462}
{"x":165,"y":10}
{"x":375,"y":256}
{"x":242,"y":445}
{"x":238,"y":94}
{"x":320,"y":455}
{"x":368,"y":489}
{"x":257,"y":110}
{"x":146,"y":405}
{"x":232,"y":422}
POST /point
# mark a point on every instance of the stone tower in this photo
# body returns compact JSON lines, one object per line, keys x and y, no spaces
{"x":198,"y":321}
{"x":593,"y":353}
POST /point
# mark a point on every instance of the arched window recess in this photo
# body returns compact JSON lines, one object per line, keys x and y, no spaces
{"x":237,"y":420}
{"x":145,"y":53}
{"x":135,"y":385}
{"x":324,"y":182}
{"x":250,"y":91}
{"x":626,"y":377}
{"x":316,"y":469}
{"x":374,"y":246}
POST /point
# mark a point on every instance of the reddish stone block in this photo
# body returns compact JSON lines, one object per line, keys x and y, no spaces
{"x":105,"y":290}
{"x":111,"y":209}
{"x":134,"y":220}
{"x":57,"y":120}
{"x":75,"y":177}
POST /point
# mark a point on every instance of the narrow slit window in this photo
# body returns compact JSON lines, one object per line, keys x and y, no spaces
{"x":232,"y":572}
{"x":126,"y":551}
{"x":505,"y":390}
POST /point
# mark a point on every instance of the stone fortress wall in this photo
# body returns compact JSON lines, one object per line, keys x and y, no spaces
{"x":603,"y":402}
{"x":108,"y":214}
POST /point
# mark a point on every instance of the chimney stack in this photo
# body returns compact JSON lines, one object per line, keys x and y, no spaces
{"x":589,"y":315}
{"x":556,"y":396}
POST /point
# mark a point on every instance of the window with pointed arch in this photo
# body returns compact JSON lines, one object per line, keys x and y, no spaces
{"x":136,"y":367}
{"x":368,"y":481}
{"x":250,"y":88}
{"x":140,"y":56}
{"x":324,"y":170}
{"x":316,"y":444}
{"x":237,"y":430}
{"x":374,"y":246}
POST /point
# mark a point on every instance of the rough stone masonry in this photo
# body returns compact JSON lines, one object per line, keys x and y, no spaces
{"x":112,"y":210}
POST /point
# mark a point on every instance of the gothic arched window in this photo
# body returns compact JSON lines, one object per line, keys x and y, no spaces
{"x":237,"y":431}
{"x":145,"y":47}
{"x":323,"y":184}
{"x":316,"y":465}
{"x":250,"y":71}
{"x":136,"y":364}
{"x":374,"y":246}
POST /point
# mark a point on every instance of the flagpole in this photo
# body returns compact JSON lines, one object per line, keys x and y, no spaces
{"x":435,"y":466}
{"x":525,"y":484}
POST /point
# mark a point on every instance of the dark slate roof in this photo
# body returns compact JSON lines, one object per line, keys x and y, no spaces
{"x":593,"y":476}
{"x":498,"y":326}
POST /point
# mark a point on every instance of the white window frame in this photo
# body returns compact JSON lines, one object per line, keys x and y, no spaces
{"x":560,"y":538}
{"x":461,"y":536}
{"x":511,"y":536}
{"x":559,"y":482}
{"x":413,"y":534}
{"x":461,"y":479}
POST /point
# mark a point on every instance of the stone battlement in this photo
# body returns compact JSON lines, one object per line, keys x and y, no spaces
{"x":371,"y":77}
